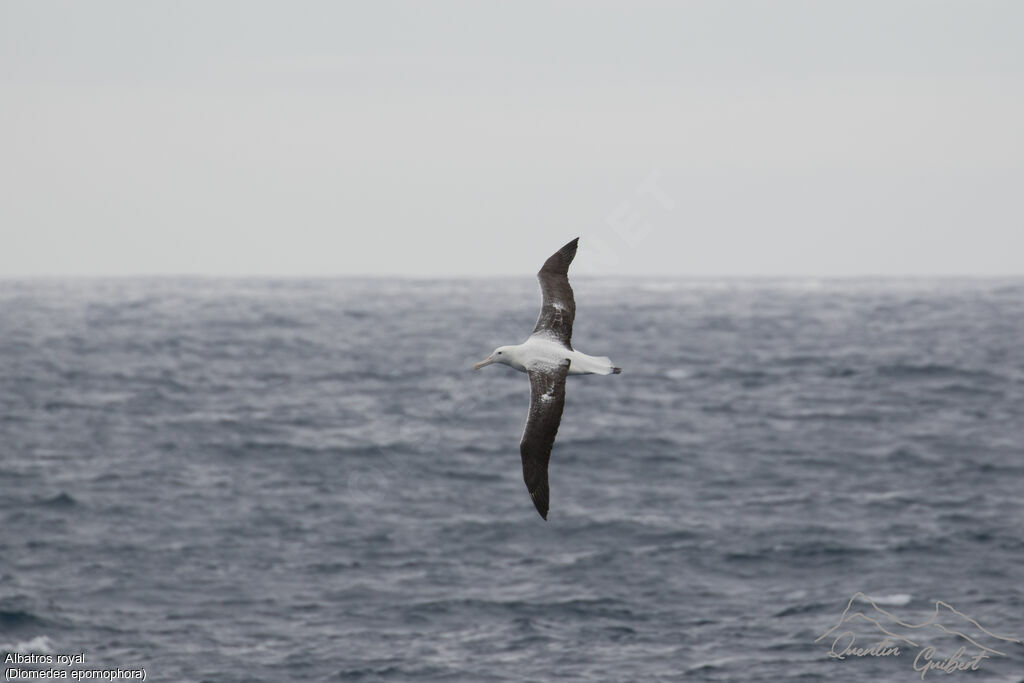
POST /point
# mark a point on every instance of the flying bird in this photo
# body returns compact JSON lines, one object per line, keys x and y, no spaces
{"x":548,"y":358}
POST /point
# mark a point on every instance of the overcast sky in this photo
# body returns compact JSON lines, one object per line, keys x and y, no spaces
{"x":460,"y":138}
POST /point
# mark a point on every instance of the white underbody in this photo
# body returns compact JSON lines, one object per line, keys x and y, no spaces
{"x":539,"y":350}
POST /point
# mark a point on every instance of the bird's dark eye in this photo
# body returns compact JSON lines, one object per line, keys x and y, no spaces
{"x":499,"y":353}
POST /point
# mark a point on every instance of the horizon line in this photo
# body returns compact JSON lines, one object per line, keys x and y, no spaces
{"x":505,"y":276}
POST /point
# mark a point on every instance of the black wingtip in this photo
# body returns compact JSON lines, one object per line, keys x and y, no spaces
{"x":616,"y":371}
{"x":569,"y":249}
{"x":559,"y":261}
{"x":540,"y":500}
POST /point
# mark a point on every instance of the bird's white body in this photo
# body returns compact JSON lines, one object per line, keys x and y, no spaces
{"x":541,"y":350}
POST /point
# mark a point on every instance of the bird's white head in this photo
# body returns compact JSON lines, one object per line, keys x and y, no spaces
{"x":502,"y":354}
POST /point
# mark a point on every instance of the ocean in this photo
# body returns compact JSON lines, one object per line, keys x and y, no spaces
{"x":229,"y":480}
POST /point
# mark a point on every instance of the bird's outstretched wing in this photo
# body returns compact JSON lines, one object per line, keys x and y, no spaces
{"x":558,"y":308}
{"x":547,"y":398}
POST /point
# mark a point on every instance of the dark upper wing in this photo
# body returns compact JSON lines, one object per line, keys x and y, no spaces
{"x":558,"y":308}
{"x":547,"y":398}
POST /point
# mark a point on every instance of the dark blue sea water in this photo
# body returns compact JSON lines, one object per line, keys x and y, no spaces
{"x":292,"y":480}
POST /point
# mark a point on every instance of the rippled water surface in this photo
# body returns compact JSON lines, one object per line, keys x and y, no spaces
{"x":230,"y":480}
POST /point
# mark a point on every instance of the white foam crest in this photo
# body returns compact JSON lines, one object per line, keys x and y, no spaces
{"x":37,"y":645}
{"x":895,"y":600}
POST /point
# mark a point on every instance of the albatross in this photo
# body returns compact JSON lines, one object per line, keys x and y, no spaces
{"x":548,"y":358}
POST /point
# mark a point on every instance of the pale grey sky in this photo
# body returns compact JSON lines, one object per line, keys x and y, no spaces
{"x":678,"y":138}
